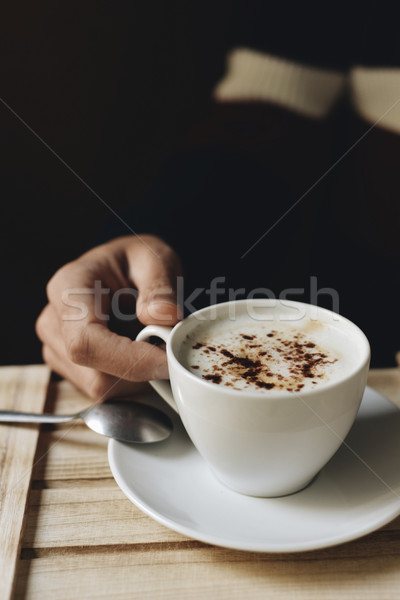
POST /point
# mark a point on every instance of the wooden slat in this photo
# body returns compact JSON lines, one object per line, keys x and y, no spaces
{"x":74,"y":516}
{"x":72,"y":452}
{"x":199,"y":571}
{"x":21,"y":389}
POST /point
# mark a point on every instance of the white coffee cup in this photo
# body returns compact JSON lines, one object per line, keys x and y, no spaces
{"x":263,"y":443}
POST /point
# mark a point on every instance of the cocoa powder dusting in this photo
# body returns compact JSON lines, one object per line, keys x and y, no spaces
{"x":254,"y":363}
{"x":226,"y":353}
{"x":213,"y":378}
{"x":265,"y":385}
{"x":197,"y":346}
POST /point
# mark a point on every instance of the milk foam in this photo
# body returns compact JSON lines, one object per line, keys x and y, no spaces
{"x":262,"y":356}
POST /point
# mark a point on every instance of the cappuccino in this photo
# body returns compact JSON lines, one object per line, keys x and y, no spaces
{"x":267,"y":390}
{"x":262,"y":356}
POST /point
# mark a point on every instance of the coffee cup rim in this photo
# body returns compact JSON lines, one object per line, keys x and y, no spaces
{"x":270,"y":394}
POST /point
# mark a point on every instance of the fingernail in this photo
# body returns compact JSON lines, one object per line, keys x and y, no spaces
{"x":164,"y":310}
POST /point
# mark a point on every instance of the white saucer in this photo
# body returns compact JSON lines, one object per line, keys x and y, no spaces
{"x":356,"y":493}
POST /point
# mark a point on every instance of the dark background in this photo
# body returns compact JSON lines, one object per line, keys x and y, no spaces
{"x":111,"y":88}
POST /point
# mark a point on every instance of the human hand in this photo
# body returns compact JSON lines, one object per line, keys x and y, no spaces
{"x":74,"y":327}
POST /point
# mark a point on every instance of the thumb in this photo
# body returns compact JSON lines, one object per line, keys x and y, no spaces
{"x":160,"y":308}
{"x":155,"y":270}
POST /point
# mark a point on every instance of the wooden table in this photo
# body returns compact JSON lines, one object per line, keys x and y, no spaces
{"x":67,"y":531}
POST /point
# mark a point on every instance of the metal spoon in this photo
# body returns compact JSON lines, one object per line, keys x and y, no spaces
{"x":124,"y":421}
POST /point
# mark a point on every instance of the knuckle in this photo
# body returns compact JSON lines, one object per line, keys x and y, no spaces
{"x":53,"y":285}
{"x":169,"y":255}
{"x":78,"y":348}
{"x":164,"y":250}
{"x":50,"y":288}
{"x":41,"y":325}
{"x":99,"y":386}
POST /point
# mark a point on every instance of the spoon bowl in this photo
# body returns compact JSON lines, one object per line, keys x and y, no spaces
{"x":126,"y":421}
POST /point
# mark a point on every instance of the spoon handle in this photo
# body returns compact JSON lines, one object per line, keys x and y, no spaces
{"x":9,"y":416}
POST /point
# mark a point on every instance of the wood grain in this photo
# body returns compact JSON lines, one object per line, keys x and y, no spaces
{"x":74,"y":516}
{"x":197,"y":571}
{"x":21,"y":389}
{"x":83,"y":539}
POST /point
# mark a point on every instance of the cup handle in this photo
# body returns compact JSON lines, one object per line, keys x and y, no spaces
{"x":162,"y":387}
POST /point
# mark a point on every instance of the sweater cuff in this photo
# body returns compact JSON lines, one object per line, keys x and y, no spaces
{"x":375,"y":94}
{"x":253,"y":76}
